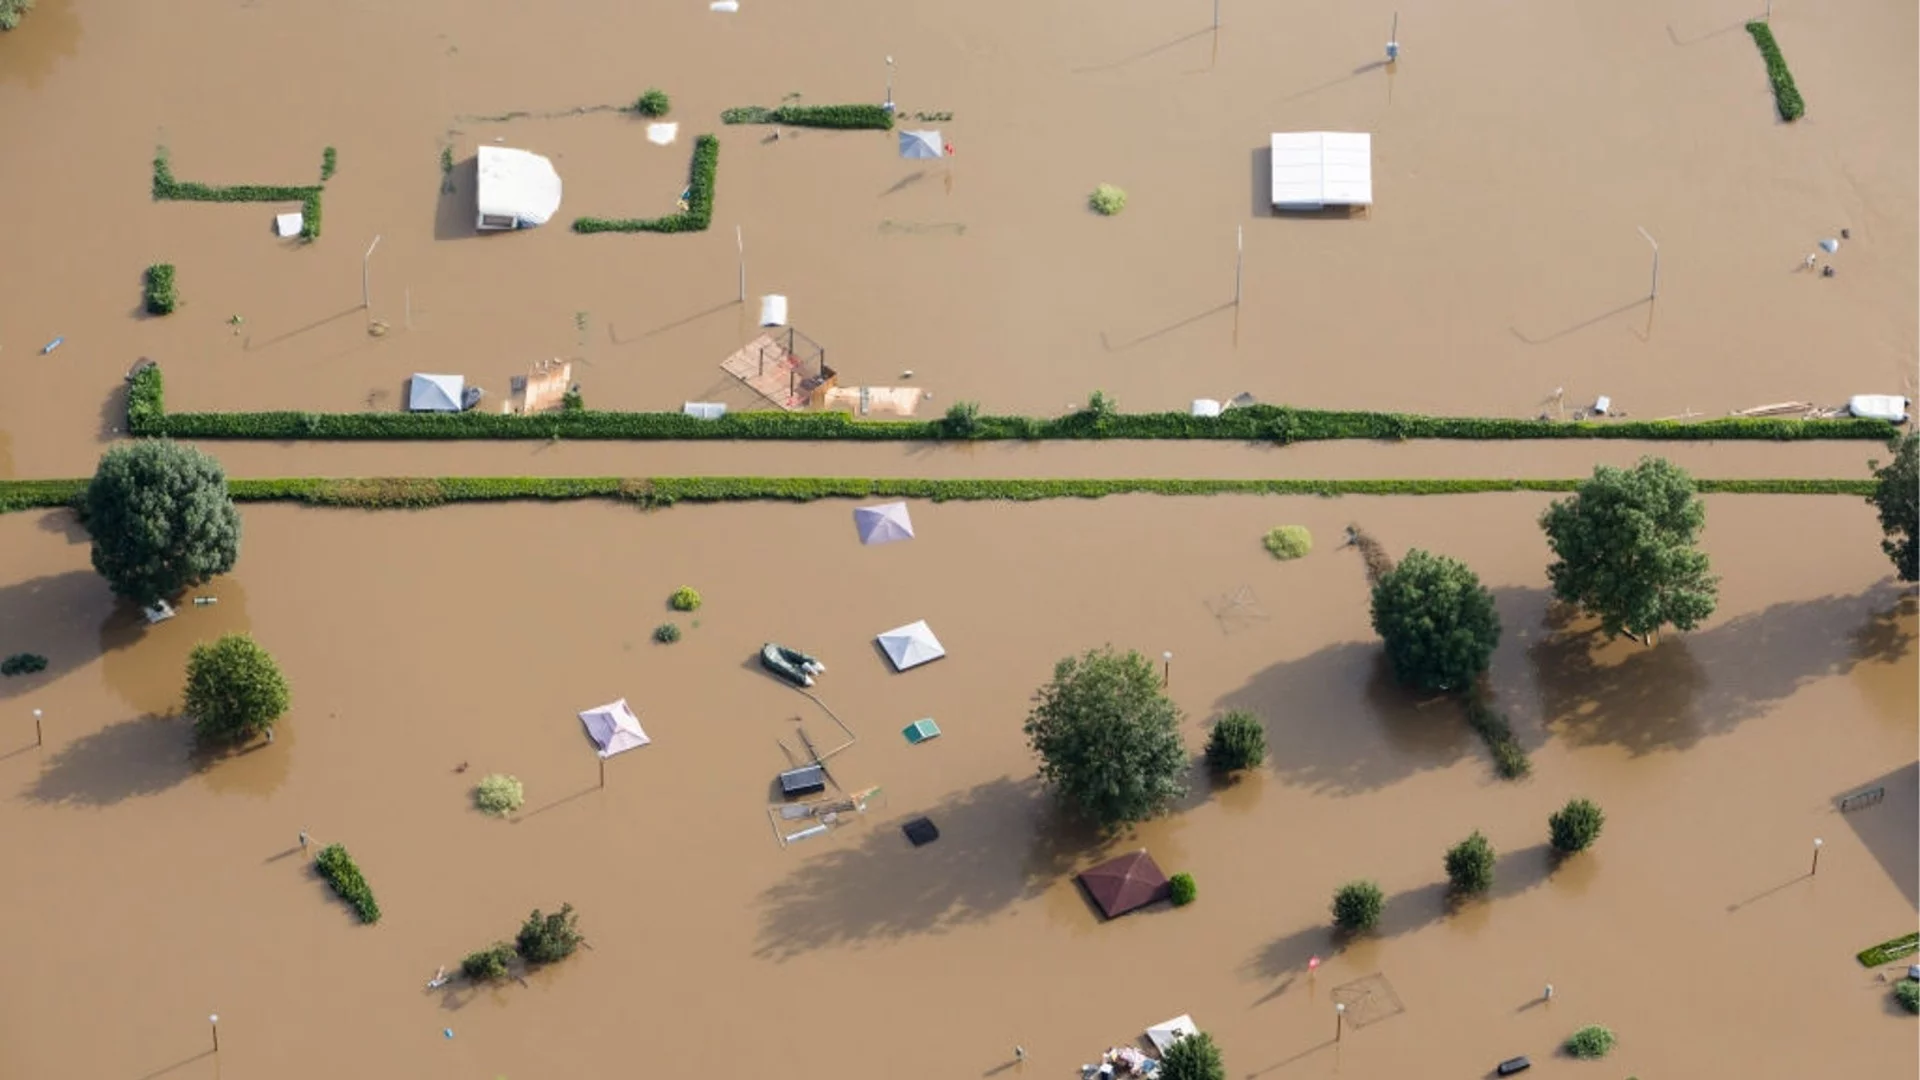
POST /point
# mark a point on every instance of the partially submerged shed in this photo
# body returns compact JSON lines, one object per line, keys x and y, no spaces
{"x":1313,"y":170}
{"x":517,"y":189}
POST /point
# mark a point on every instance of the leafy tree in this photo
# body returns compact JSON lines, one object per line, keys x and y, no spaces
{"x":1624,"y":550}
{"x":234,"y":689}
{"x":1196,"y":1057}
{"x":499,"y":794}
{"x":1238,"y":741}
{"x":1574,"y":826}
{"x":489,"y":964}
{"x":1897,"y":497}
{"x":161,"y":520}
{"x":1108,"y":739}
{"x":1592,"y":1041}
{"x":546,"y":939}
{"x":1437,"y":620}
{"x":1357,"y":906}
{"x":1470,"y":864}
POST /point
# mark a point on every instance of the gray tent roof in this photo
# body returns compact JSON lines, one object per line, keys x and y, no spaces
{"x":435,"y":393}
{"x":883,"y":524}
{"x":921,"y":144}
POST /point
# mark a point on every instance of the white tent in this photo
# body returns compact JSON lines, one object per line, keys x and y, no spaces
{"x":435,"y":393}
{"x":921,"y":144}
{"x":883,"y":524}
{"x":911,"y":645}
{"x":615,"y":728}
{"x":1313,"y":170}
{"x":518,"y":189}
{"x":1168,"y":1032}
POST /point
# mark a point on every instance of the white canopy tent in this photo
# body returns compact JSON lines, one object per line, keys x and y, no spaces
{"x":921,"y":144}
{"x":435,"y":393}
{"x":614,"y":728}
{"x":883,"y":524}
{"x":1164,"y":1034}
{"x":518,"y":189}
{"x":911,"y":645}
{"x":1313,"y":170}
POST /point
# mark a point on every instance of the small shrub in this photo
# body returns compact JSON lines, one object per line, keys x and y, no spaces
{"x":1575,"y":826}
{"x":1357,"y":906}
{"x":1107,"y":200}
{"x":962,"y":420}
{"x":1100,"y":406}
{"x":499,"y":794}
{"x":328,"y":162}
{"x":1196,"y":1057}
{"x":1470,"y":865}
{"x":161,"y":298}
{"x":489,"y":964}
{"x":666,"y":633}
{"x":1288,"y":542}
{"x":571,"y":401}
{"x":335,"y":865}
{"x":1184,"y":890}
{"x":546,"y":939}
{"x":24,"y":663}
{"x":653,"y":103}
{"x":1238,"y":741}
{"x":1509,"y":757}
{"x":685,"y":598}
{"x":1590,"y":1042}
{"x":11,"y":10}
{"x":1907,"y":993}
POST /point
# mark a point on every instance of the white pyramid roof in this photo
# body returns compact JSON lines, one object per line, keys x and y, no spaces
{"x":911,"y":645}
{"x":1167,"y":1032}
{"x":435,"y":393}
{"x":883,"y":524}
{"x":615,"y":728}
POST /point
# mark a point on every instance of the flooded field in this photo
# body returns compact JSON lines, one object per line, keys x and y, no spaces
{"x":147,"y":888}
{"x":1516,"y":153}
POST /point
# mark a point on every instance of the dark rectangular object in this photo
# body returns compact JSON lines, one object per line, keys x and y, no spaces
{"x":1514,"y":1065}
{"x":806,"y":780}
{"x":921,"y":831}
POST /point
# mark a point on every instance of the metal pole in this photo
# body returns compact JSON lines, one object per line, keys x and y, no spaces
{"x":1216,"y":14}
{"x":1816,"y":857}
{"x":1166,"y":670}
{"x":1239,"y":260}
{"x":1655,"y":290}
{"x":740,"y":246}
{"x":409,"y":307}
{"x":603,"y":772}
{"x":1769,"y":11}
{"x":366,"y":292}
{"x":38,"y":738}
{"x":889,"y":104}
{"x":1393,"y":40}
{"x":1339,"y":1021}
{"x":215,"y":1021}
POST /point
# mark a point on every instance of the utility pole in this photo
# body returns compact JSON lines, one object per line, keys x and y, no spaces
{"x":366,"y":271}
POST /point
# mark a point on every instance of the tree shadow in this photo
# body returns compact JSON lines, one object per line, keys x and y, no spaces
{"x":113,"y":413}
{"x":1000,"y":842}
{"x":142,"y":756}
{"x":55,"y":615}
{"x":1685,"y":689}
{"x":1338,"y":724}
{"x":1887,"y":828}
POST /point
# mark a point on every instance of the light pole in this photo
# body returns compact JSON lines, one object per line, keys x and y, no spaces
{"x":1655,"y":290}
{"x":889,"y":105}
{"x":214,"y":1020}
{"x":1817,"y":843}
{"x":1393,"y":40}
{"x":740,"y":248}
{"x":1339,"y":1020}
{"x":1216,"y":14}
{"x":38,"y":738}
{"x":1239,"y":260}
{"x":1166,"y":670}
{"x":366,"y":261}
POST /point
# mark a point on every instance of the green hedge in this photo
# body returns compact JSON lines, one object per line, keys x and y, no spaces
{"x":695,"y":218}
{"x":161,"y":298}
{"x":337,"y":867}
{"x":166,"y":188}
{"x":1888,"y":951}
{"x":874,"y":117}
{"x":1786,"y":96}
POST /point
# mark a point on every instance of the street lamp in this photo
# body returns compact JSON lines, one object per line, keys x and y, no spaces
{"x":38,"y":739}
{"x":1817,"y":844}
{"x":1654,"y":292}
{"x":1339,"y":1019}
{"x":889,"y":105}
{"x":214,"y":1019}
{"x":1166,"y":670}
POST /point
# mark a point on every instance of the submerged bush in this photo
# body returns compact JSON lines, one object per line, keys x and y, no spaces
{"x":1107,"y":200}
{"x":1357,"y":906}
{"x":1183,"y":889}
{"x":1470,"y":865}
{"x":1238,"y":741}
{"x":653,"y":103}
{"x":1786,"y":96}
{"x":1574,"y":826}
{"x":499,"y":794}
{"x":1592,"y":1041}
{"x":546,"y":939}
{"x":1288,"y":542}
{"x":24,"y":663}
{"x":161,"y":298}
{"x":666,"y":633}
{"x":1907,"y":993}
{"x":335,"y":865}
{"x":685,"y":598}
{"x":11,"y":10}
{"x":962,"y":420}
{"x":489,"y":964}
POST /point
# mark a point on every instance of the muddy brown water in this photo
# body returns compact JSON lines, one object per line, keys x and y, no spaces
{"x":148,"y":888}
{"x":1516,"y":154}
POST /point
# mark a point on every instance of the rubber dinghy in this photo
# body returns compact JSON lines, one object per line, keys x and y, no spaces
{"x":790,"y":664}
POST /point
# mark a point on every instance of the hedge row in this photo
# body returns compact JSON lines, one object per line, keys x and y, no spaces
{"x":1786,"y":96}
{"x":337,"y":867}
{"x":165,"y":187}
{"x":695,"y":218}
{"x":381,"y":493}
{"x":875,"y":117}
{"x":161,"y":298}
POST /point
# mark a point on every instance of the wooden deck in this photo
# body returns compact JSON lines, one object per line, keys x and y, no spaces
{"x":765,"y":365}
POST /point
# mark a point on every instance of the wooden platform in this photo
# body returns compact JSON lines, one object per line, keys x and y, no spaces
{"x":771,"y":371}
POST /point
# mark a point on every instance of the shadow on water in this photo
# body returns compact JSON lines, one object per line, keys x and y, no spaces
{"x":1888,"y":827}
{"x":129,"y":758}
{"x":113,"y":414}
{"x":1000,"y":842}
{"x":1686,"y":688}
{"x":57,"y":616}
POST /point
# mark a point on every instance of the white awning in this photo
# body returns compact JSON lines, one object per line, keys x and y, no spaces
{"x":1317,"y":169}
{"x":911,"y":645}
{"x":435,"y":393}
{"x":517,"y":188}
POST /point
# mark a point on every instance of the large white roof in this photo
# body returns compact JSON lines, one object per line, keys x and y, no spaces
{"x":911,"y":645}
{"x":517,"y":184}
{"x":1317,"y":169}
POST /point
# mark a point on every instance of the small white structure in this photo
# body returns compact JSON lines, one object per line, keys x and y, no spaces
{"x":1164,"y":1034}
{"x":911,"y":645}
{"x":1879,"y":407}
{"x":773,"y":310}
{"x":663,"y":134}
{"x":704,"y":410}
{"x":518,"y":189}
{"x":883,"y":524}
{"x":1313,"y":170}
{"x":922,"y":144}
{"x":289,"y":224}
{"x":435,"y":393}
{"x":614,"y":728}
{"x":1205,"y":407}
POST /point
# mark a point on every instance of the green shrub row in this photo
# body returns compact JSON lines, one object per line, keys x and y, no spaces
{"x":166,"y":188}
{"x":161,"y":298}
{"x":385,"y":493}
{"x":1786,"y":96}
{"x":1888,"y":951}
{"x":695,"y":218}
{"x":1509,"y":757}
{"x":337,"y":867}
{"x":874,"y":117}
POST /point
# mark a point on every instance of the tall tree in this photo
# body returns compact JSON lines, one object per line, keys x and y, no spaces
{"x":1897,"y":497}
{"x":1624,"y":550}
{"x":1438,"y":622}
{"x":234,"y":689}
{"x":1108,"y":739}
{"x":161,"y":519}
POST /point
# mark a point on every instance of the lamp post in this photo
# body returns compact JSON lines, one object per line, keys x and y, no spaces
{"x":366,"y":264}
{"x":1655,"y":290}
{"x":1339,"y":1020}
{"x":1166,"y":669}
{"x":1393,"y":40}
{"x":889,"y":103}
{"x":38,"y":738}
{"x":1239,"y":260}
{"x":1817,"y":844}
{"x":214,"y":1020}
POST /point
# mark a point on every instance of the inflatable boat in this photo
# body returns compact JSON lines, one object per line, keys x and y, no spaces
{"x":790,"y":664}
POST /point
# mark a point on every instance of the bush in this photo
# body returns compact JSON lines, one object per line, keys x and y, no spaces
{"x":1509,"y":757}
{"x":1107,"y":200}
{"x":1575,"y":826}
{"x":1896,"y":497}
{"x":654,"y":102}
{"x":1592,"y":1041}
{"x":1238,"y":741}
{"x":337,"y":867}
{"x":1108,"y":739}
{"x":23,"y":663}
{"x":544,"y":940}
{"x":11,"y":10}
{"x":166,"y":188}
{"x":666,"y":633}
{"x":1357,"y":906}
{"x":962,"y":420}
{"x":695,"y":218}
{"x":1183,"y":890}
{"x":234,"y":689}
{"x":489,"y":964}
{"x":1437,"y":621}
{"x":161,"y":519}
{"x":329,"y":161}
{"x":499,"y":794}
{"x":685,"y":598}
{"x":1907,"y":993}
{"x":160,"y":296}
{"x":1786,"y":96}
{"x":875,"y":117}
{"x":1288,"y":542}
{"x":571,"y":401}
{"x":1195,"y":1057}
{"x":1470,"y":865}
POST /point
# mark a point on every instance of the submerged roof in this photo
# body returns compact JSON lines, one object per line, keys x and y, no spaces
{"x":883,"y":524}
{"x":911,"y":645}
{"x":1121,"y":885}
{"x":517,"y":184}
{"x":614,"y":728}
{"x":1316,"y":169}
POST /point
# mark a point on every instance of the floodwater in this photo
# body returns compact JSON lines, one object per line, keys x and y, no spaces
{"x":147,"y":888}
{"x":1517,"y":152}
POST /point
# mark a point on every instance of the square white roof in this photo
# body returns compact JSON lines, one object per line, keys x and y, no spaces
{"x":1317,"y":169}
